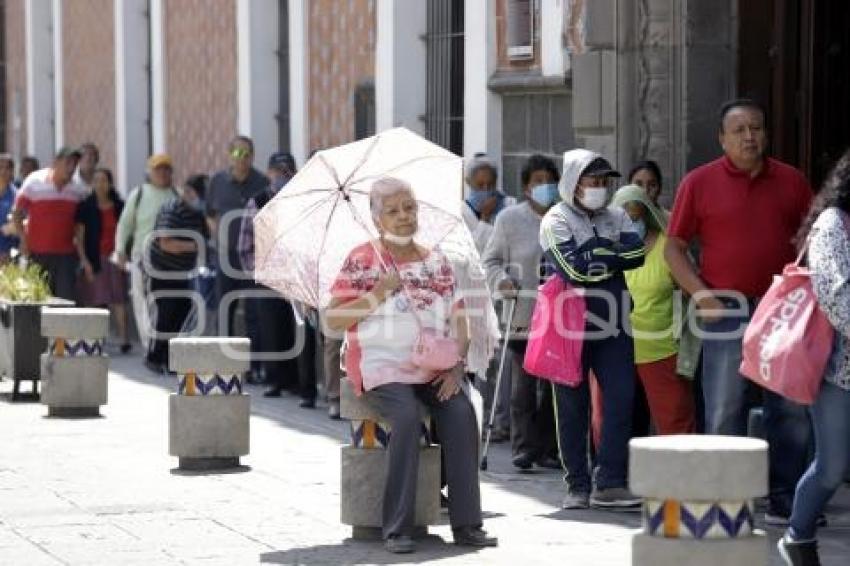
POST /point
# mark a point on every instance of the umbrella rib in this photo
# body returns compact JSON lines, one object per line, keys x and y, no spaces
{"x":366,"y":155}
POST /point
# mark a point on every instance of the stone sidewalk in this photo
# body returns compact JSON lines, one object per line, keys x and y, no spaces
{"x":105,"y":491}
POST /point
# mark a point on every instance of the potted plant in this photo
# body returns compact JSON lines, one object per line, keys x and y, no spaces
{"x":23,"y":291}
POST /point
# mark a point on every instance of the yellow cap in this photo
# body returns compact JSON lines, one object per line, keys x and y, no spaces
{"x":159,"y":160}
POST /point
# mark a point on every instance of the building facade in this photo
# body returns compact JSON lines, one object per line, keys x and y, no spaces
{"x":632,"y":79}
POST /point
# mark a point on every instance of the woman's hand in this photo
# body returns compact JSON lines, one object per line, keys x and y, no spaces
{"x":88,"y":270}
{"x":387,"y":285}
{"x":448,"y":383}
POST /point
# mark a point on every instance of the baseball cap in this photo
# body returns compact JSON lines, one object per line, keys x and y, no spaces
{"x":68,"y":151}
{"x":159,"y":160}
{"x":281,"y":159}
{"x":600,"y":167}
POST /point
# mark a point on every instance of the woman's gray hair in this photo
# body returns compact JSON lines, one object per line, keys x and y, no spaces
{"x":480,"y":161}
{"x":383,"y":188}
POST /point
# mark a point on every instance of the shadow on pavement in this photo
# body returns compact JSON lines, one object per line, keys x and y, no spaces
{"x":350,"y":551}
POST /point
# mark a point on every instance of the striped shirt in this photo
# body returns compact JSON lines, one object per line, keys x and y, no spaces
{"x":50,"y":211}
{"x":174,"y":220}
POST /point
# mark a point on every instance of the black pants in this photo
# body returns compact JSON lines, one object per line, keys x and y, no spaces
{"x":532,"y":410}
{"x":231,"y":288}
{"x":61,"y":270}
{"x":307,"y":366}
{"x":277,"y":323}
{"x":168,"y":314}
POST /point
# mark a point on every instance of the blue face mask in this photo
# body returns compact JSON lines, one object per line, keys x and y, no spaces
{"x":545,"y":195}
{"x":640,"y":228}
{"x":476,"y":198}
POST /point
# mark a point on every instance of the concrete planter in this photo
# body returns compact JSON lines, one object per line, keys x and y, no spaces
{"x":698,"y":499}
{"x":364,"y":470}
{"x":74,"y":367}
{"x":209,"y":416}
{"x":21,"y":343}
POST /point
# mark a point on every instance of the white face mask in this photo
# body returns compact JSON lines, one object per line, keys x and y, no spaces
{"x":396,"y":239}
{"x":594,"y":198}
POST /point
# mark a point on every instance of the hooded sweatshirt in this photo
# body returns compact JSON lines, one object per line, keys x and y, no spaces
{"x":588,"y":249}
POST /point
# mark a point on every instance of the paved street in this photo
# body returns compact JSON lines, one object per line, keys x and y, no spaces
{"x":105,"y":491}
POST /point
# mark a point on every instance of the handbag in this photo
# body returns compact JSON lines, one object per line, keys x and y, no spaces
{"x":556,"y":334}
{"x":788,"y":342}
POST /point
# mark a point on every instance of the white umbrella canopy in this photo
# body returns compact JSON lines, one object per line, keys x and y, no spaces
{"x":303,"y":235}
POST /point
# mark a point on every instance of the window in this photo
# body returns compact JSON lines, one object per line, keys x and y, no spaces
{"x":444,"y":40}
{"x":364,"y":110}
{"x":520,"y":22}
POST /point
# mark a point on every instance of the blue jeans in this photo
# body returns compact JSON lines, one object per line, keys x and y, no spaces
{"x":612,"y":361}
{"x":831,"y":417}
{"x":728,"y":394}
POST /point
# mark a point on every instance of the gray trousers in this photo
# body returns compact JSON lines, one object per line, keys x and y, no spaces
{"x":398,"y":404}
{"x":330,"y":356}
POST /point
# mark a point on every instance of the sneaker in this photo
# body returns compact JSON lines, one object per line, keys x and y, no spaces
{"x":798,"y":553}
{"x":273,"y":392}
{"x":473,"y":536}
{"x":614,"y":497}
{"x":126,"y":347}
{"x":333,"y":411}
{"x":576,"y":500}
{"x":523,"y":462}
{"x":400,"y":544}
{"x":549,"y":462}
{"x":307,"y":404}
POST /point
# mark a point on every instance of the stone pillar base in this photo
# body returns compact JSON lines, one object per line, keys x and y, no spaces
{"x":658,"y":551}
{"x":364,"y":473}
{"x":66,"y":412}
{"x":74,"y":382}
{"x":209,"y":429}
{"x":203,"y":464}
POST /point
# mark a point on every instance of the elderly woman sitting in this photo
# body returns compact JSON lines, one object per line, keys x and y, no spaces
{"x":381,"y":284}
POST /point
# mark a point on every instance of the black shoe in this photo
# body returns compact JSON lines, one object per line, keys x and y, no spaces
{"x":400,"y":544}
{"x":253,"y":378}
{"x":798,"y":553}
{"x":473,"y":536}
{"x":126,"y":347}
{"x":523,"y":462}
{"x":273,"y":392}
{"x":549,"y":462}
{"x":154,"y":367}
{"x":307,"y":404}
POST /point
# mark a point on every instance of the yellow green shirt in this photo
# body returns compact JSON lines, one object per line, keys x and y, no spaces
{"x":652,"y":287}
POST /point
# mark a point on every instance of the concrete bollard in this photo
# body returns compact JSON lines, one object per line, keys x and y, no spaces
{"x":364,"y":470}
{"x":698,"y":500}
{"x":74,"y":369}
{"x":209,"y":416}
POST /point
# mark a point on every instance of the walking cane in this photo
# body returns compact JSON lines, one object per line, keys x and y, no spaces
{"x":495,"y":403}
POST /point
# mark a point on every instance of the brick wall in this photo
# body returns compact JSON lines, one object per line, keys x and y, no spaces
{"x":16,"y":82}
{"x":88,"y":75}
{"x":200,"y":83}
{"x":341,"y":56}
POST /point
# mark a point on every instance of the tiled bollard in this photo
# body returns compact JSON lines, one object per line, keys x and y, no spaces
{"x":74,"y":369}
{"x":209,"y":416}
{"x":698,"y":500}
{"x":364,"y":471}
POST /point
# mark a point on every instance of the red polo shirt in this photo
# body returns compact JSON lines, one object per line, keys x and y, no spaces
{"x":745,"y":225}
{"x":50,"y":211}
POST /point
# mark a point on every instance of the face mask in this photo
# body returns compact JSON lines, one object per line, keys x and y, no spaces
{"x":545,"y":195}
{"x":476,"y":198}
{"x":640,"y":228}
{"x":279,"y":182}
{"x":396,"y":239}
{"x":594,"y":198}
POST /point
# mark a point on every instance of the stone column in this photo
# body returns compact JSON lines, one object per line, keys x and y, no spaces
{"x":698,"y":500}
{"x":74,"y":368}
{"x":364,"y":472}
{"x":209,"y":416}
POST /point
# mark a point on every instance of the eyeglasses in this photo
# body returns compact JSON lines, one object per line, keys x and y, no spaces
{"x":239,"y":153}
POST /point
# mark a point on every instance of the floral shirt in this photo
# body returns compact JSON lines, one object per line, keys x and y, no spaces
{"x":379,"y":347}
{"x":829,"y":261}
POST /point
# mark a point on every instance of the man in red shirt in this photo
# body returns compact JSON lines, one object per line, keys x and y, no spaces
{"x":744,"y":209}
{"x":48,"y":199}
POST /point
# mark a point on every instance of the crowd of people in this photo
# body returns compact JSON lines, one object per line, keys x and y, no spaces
{"x":734,"y":224}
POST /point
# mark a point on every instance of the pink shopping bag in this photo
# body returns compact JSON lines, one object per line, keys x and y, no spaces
{"x":556,"y":334}
{"x":788,"y":342}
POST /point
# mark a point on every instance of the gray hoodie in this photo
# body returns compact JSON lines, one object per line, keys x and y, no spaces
{"x":588,"y":248}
